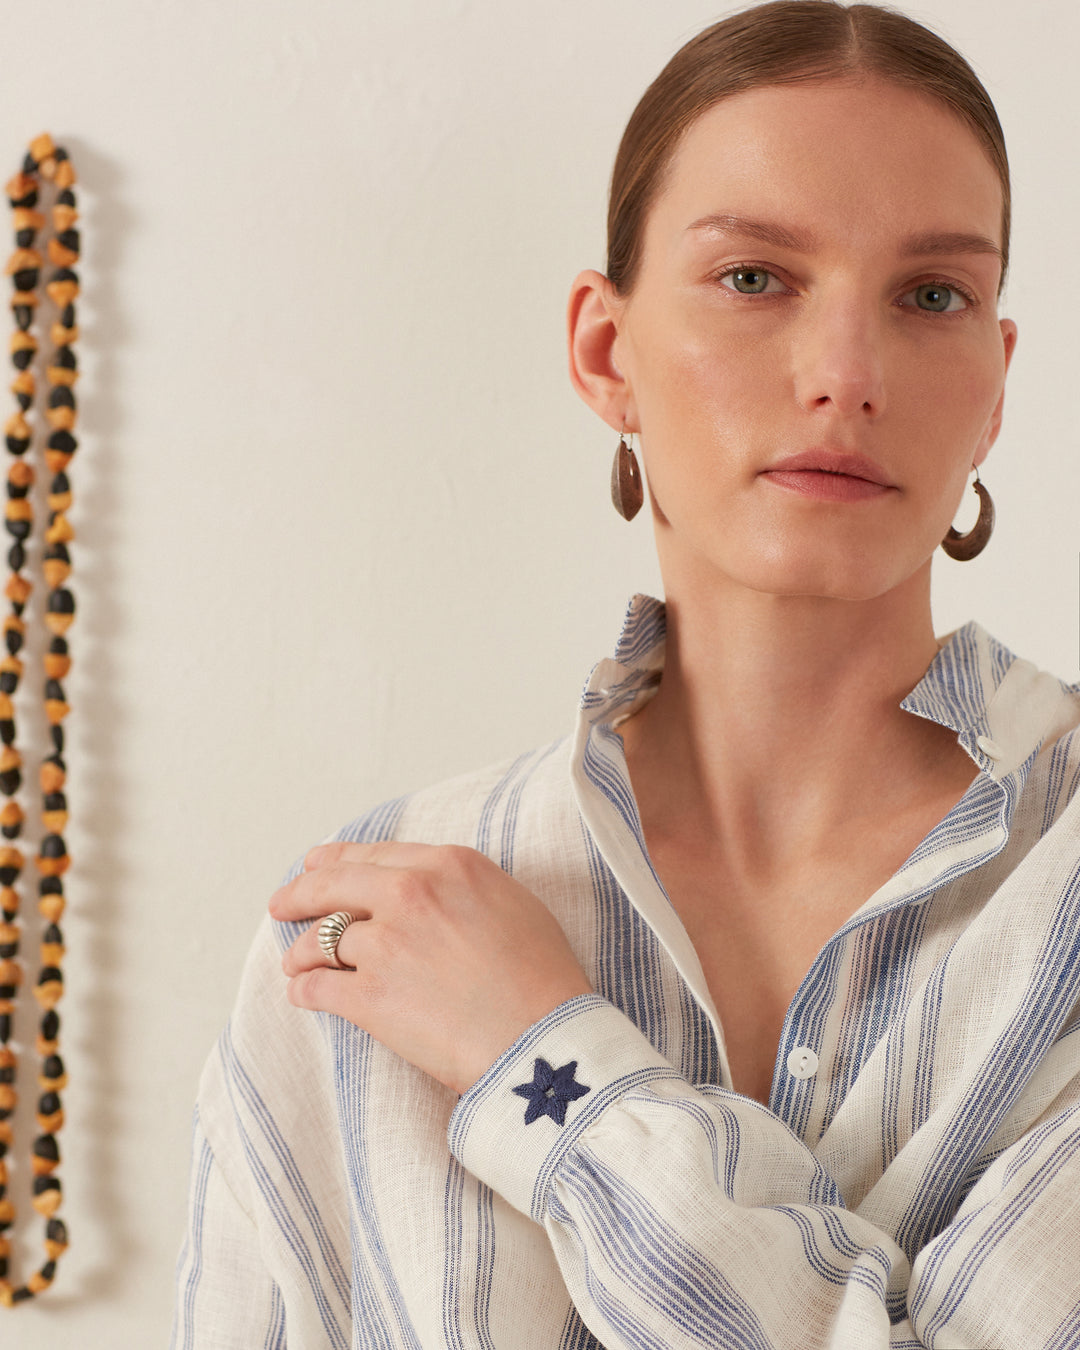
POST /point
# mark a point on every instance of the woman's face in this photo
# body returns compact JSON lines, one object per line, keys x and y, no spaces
{"x":819,"y":277}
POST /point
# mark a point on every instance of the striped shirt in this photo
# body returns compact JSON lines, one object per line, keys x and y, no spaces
{"x":914,"y":1181}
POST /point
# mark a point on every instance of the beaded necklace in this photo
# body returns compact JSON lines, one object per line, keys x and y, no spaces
{"x":49,"y":162}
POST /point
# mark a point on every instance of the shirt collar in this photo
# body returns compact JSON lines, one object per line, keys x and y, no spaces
{"x":1001,"y":707}
{"x":619,"y":685}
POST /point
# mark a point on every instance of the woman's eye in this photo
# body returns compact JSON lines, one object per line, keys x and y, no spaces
{"x":935,"y":298}
{"x":750,"y":281}
{"x":932,"y":297}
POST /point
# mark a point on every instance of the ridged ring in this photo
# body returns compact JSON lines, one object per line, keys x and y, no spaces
{"x":330,"y":931}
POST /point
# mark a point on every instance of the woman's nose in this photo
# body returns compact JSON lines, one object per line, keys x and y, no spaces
{"x":838,"y":360}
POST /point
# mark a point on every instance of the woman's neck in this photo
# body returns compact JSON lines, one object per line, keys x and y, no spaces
{"x":777,"y":721}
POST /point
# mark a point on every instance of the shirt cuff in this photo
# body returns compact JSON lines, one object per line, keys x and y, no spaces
{"x":513,"y":1127}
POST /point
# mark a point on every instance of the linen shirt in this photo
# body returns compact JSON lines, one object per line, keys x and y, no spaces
{"x":914,"y":1180}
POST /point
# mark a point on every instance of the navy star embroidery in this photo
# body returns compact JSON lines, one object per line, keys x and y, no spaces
{"x":550,"y":1091}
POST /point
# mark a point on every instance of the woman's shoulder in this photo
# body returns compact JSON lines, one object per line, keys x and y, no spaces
{"x":515,"y":793}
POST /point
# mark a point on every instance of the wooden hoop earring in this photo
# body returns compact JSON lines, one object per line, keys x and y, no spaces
{"x":627,"y":492}
{"x":964,"y":547}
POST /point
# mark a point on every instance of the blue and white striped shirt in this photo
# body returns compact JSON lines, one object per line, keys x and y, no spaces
{"x":914,"y":1181}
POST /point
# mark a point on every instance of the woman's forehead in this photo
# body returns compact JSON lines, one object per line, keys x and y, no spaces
{"x":832,"y":161}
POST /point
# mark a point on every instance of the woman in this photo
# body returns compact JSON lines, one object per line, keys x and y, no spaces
{"x":757,"y":1027}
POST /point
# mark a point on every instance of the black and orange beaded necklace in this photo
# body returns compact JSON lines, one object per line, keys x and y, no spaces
{"x":45,"y":163}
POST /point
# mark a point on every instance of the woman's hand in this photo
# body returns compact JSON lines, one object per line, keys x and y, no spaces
{"x":453,"y":958}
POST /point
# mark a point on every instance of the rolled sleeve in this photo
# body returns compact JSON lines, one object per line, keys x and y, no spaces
{"x":691,"y":1217}
{"x":488,"y":1131}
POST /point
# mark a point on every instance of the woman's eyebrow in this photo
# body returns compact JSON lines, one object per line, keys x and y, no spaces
{"x":933,"y":242}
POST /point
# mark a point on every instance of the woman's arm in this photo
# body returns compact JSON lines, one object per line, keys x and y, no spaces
{"x":225,"y":1297}
{"x":687,"y":1218}
{"x":267,"y":1245}
{"x":693,"y":1216}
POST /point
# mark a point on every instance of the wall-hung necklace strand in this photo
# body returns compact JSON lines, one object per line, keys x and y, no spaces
{"x":48,"y":162}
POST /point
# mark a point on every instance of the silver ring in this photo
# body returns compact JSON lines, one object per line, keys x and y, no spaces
{"x":330,"y":931}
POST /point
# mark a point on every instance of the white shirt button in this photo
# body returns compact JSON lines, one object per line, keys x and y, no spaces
{"x":802,"y":1062}
{"x":990,"y":748}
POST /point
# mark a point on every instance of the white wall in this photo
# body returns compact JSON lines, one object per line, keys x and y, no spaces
{"x":343,"y":526}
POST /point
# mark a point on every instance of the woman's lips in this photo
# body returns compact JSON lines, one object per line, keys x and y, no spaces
{"x":831,"y":474}
{"x":833,"y":487}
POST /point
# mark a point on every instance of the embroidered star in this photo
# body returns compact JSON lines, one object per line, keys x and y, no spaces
{"x":550,"y":1091}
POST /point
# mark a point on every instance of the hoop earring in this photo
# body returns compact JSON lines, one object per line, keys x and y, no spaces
{"x":964,"y":547}
{"x":627,"y":493}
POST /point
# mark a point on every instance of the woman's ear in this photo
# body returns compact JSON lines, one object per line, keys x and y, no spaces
{"x":1008,"y":338}
{"x":591,"y":320}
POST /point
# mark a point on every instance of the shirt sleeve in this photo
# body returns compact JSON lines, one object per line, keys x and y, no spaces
{"x":681,"y":1217}
{"x":267,"y":1240}
{"x":225,"y":1297}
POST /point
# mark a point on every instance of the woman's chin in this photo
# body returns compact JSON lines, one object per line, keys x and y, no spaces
{"x":853,"y":574}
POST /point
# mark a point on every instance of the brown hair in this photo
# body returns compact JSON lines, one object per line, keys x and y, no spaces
{"x":785,"y":42}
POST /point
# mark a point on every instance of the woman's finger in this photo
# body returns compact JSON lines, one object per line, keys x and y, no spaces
{"x":313,"y":989}
{"x":353,"y":994}
{"x":351,"y":886}
{"x":382,"y":853}
{"x":329,"y":873}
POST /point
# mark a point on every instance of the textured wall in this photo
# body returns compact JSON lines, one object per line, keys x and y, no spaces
{"x":343,"y":525}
